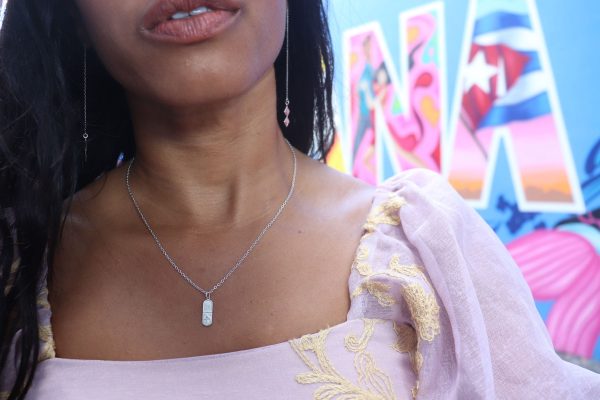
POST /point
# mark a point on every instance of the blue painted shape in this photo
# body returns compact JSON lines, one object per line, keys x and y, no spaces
{"x":500,"y":20}
{"x":544,"y":307}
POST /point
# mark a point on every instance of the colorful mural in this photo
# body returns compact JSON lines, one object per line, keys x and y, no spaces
{"x":520,"y":140}
{"x":507,"y":94}
{"x":402,"y":124}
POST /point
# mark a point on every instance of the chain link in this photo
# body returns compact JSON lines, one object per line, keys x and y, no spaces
{"x":208,"y":293}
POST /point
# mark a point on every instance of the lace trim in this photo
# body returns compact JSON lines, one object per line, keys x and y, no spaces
{"x":372,"y":383}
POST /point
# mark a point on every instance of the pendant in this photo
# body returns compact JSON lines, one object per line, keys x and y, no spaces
{"x":207,"y":312}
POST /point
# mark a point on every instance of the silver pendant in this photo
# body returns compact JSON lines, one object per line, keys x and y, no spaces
{"x":207,"y":312}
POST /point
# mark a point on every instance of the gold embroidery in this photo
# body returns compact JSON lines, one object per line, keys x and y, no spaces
{"x":362,"y":253}
{"x":364,"y":363}
{"x":372,"y":384}
{"x":47,"y":350}
{"x":360,"y":265}
{"x":364,"y":269}
{"x":385,"y":213}
{"x":415,"y":390}
{"x":398,"y":270}
{"x":417,"y":360}
{"x":407,"y":342}
{"x":42,"y":299}
{"x":355,"y":344}
{"x":417,"y":291}
{"x":422,"y":305}
{"x":379,"y":290}
{"x":424,"y":311}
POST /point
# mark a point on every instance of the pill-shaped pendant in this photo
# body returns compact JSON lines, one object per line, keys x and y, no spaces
{"x":207,"y":312}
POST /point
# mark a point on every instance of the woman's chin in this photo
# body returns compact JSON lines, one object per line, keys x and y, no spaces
{"x":211,"y":91}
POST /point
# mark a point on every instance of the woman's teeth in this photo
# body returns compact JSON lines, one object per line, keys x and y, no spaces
{"x":200,"y":10}
{"x":196,"y":11}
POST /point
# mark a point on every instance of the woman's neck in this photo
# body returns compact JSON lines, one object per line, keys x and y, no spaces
{"x":221,"y":164}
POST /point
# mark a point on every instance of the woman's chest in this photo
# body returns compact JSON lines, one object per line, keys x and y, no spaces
{"x":136,"y":306}
{"x":360,"y":358}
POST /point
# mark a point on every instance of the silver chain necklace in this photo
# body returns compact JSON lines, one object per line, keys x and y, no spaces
{"x":207,"y":305}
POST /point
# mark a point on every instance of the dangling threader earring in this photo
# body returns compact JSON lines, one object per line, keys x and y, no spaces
{"x":85,"y":134}
{"x":287,"y":111}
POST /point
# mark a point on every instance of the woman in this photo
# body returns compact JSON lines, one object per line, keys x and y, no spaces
{"x":216,"y":261}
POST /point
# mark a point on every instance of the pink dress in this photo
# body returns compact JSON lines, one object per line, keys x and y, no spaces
{"x":439,"y":311}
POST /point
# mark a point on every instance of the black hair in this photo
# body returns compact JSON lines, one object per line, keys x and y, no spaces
{"x":41,"y":148}
{"x":382,"y":68}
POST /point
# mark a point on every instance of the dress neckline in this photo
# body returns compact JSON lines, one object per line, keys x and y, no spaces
{"x":236,"y":353}
{"x":199,"y":358}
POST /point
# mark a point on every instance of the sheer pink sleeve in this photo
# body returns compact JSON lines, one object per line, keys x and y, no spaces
{"x":493,"y":343}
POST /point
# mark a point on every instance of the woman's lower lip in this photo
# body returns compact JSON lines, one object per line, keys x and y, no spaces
{"x":192,"y":29}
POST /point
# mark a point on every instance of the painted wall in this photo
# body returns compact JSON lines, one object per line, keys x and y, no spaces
{"x":500,"y":96}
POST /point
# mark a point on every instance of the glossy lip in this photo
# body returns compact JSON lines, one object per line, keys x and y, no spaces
{"x":157,"y":24}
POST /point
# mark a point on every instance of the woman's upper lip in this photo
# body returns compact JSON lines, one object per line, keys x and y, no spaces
{"x":162,"y":10}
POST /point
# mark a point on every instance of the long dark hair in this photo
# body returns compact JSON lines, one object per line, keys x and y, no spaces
{"x":41,"y":148}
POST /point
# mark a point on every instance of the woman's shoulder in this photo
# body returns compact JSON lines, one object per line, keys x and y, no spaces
{"x":413,"y":196}
{"x":399,"y":203}
{"x":410,"y":183}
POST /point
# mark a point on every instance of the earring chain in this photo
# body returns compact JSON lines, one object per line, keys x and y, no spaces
{"x":85,"y":133}
{"x":287,"y":110}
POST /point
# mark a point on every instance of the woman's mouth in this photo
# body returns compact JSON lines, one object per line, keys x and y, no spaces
{"x":188,"y":21}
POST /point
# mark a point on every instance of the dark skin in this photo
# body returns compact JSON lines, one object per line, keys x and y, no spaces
{"x":211,"y":170}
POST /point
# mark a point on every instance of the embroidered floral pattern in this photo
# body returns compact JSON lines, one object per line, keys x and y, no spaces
{"x":357,"y":345}
{"x":385,"y":213}
{"x":373,"y":383}
{"x":398,"y":270}
{"x":368,"y":374}
{"x":416,"y":289}
{"x":424,"y":311}
{"x":42,"y":298}
{"x":407,"y":342}
{"x":379,"y":290}
{"x":47,"y":350}
{"x":360,"y":263}
{"x":422,"y":304}
{"x":47,"y":345}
